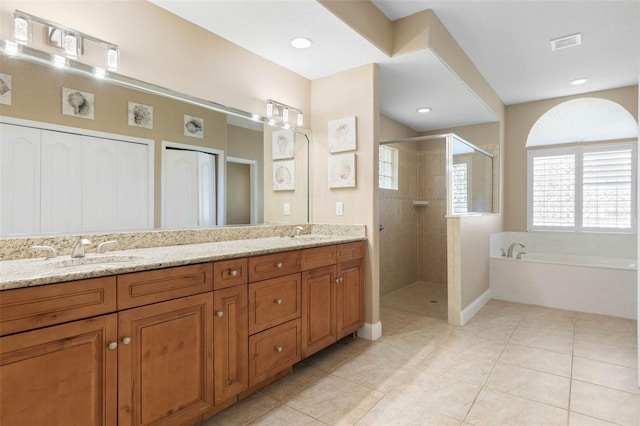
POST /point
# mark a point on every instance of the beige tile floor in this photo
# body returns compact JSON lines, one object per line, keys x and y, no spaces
{"x":513,"y":364}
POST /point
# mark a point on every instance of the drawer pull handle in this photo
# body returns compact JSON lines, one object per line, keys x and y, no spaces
{"x":279,"y":348}
{"x":126,"y":340}
{"x":113,"y":346}
{"x":219,"y":314}
{"x":279,"y":265}
{"x":279,"y":301}
{"x":233,"y":272}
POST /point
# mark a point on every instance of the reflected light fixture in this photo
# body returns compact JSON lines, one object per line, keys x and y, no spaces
{"x":100,"y":73}
{"x":285,"y":114}
{"x":113,"y":57}
{"x":423,"y":110}
{"x":72,"y":43}
{"x":301,"y":42}
{"x":11,"y":48}
{"x":300,"y":119}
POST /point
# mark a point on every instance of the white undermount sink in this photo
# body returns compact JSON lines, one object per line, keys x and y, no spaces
{"x":310,"y":237}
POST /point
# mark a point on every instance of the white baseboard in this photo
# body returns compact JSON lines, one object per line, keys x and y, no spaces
{"x":474,"y":307}
{"x":371,"y":331}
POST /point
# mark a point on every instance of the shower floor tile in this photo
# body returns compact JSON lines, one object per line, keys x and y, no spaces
{"x":419,"y":298}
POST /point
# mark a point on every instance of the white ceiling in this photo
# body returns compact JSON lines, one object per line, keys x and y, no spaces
{"x":508,"y":41}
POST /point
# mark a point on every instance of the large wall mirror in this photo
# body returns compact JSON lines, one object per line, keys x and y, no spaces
{"x":191,"y":166}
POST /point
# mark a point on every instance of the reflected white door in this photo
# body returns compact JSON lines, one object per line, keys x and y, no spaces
{"x":19,"y":180}
{"x":190,"y":189}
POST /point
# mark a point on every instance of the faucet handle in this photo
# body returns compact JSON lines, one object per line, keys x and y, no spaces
{"x":102,"y":246}
{"x":51,"y":252}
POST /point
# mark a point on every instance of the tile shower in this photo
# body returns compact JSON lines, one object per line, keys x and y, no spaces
{"x":413,"y":253}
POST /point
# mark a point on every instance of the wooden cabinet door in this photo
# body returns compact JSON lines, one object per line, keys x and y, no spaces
{"x":60,"y":375}
{"x":230,"y":338}
{"x":349,"y":297}
{"x":318,"y":309}
{"x":165,"y":372}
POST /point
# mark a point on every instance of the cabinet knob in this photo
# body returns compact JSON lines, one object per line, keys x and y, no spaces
{"x":113,"y":346}
{"x":279,"y":301}
{"x":233,"y":272}
{"x":339,"y":280}
{"x":219,"y":314}
{"x":279,"y":265}
{"x":126,"y":340}
{"x":278,"y":348}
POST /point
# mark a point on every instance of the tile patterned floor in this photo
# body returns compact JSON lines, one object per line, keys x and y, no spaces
{"x":513,"y":364}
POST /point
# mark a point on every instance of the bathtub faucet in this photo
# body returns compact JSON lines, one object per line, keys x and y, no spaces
{"x":512,"y":246}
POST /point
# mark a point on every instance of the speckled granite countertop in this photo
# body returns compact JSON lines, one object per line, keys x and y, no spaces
{"x":38,"y":271}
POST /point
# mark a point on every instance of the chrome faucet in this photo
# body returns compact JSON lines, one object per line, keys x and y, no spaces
{"x":78,"y":250}
{"x":512,"y":246}
{"x":51,"y":252}
{"x":102,"y":247}
{"x":296,"y":231}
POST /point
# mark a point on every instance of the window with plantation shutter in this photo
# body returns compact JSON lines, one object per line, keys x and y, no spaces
{"x":583,"y":188}
{"x":387,"y":167}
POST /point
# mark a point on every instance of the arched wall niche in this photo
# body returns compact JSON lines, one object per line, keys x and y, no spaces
{"x":583,"y":120}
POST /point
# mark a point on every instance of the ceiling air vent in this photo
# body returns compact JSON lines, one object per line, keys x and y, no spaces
{"x":566,"y":41}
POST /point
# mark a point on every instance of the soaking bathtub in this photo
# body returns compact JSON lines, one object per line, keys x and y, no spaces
{"x":593,"y":273}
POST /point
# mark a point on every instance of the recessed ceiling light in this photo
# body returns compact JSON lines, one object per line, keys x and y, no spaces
{"x":424,"y":110}
{"x":579,"y":81}
{"x":301,"y":42}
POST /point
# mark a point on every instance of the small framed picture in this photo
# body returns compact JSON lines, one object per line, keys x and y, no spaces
{"x":282,"y":145}
{"x":342,"y":134}
{"x":5,"y":89}
{"x":140,"y":115}
{"x":77,"y":103}
{"x":284,"y":175}
{"x":193,"y":126}
{"x":342,"y":171}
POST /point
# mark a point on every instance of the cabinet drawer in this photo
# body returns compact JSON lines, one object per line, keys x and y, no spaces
{"x":273,"y":265}
{"x":350,"y":251}
{"x":273,"y":302}
{"x":229,"y":273}
{"x":318,"y":257}
{"x":273,"y":350}
{"x":34,"y":307}
{"x":143,"y":288}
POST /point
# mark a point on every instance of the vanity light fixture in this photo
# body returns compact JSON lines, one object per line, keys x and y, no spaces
{"x":11,"y":48}
{"x":579,"y":81}
{"x":281,"y":113}
{"x":70,"y":42}
{"x":301,"y":42}
{"x":423,"y":110}
{"x":21,"y":28}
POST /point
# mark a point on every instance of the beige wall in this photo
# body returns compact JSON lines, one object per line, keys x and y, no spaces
{"x":520,"y":119}
{"x":352,"y":92}
{"x":247,"y":144}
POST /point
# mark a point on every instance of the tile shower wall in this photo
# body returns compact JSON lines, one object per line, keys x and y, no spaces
{"x":398,"y":239}
{"x":413,"y":244}
{"x":431,"y":222}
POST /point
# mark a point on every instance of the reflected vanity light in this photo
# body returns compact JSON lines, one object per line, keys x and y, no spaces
{"x":21,"y":28}
{"x":100,"y":73}
{"x":11,"y":48}
{"x":300,"y":119}
{"x":113,"y":57}
{"x":285,"y":114}
{"x":269,"y":109}
{"x":72,"y":43}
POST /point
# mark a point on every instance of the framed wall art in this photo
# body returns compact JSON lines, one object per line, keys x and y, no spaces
{"x":193,"y":126}
{"x":282,"y":143}
{"x":342,"y":171}
{"x":5,"y":89}
{"x":77,"y":103}
{"x":284,"y":174}
{"x":140,"y":115}
{"x":342,"y":134}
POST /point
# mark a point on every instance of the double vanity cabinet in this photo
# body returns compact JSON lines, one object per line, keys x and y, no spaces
{"x":173,"y":345}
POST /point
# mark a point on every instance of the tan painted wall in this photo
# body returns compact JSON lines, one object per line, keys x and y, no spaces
{"x":352,"y":92}
{"x":248,"y":144}
{"x":520,"y":119}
